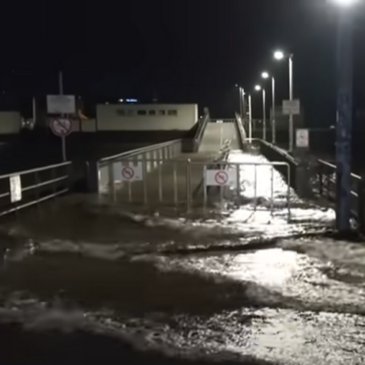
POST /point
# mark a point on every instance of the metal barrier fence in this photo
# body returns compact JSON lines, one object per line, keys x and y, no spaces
{"x":204,"y":186}
{"x":107,"y":171}
{"x":328,"y":189}
{"x":26,"y":188}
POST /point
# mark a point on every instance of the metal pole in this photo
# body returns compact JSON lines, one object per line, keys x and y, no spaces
{"x":291,"y":122}
{"x":63,"y":139}
{"x":250,"y":118}
{"x":34,"y":110}
{"x":264,"y":113}
{"x":60,"y":82}
{"x":239,"y":100}
{"x":241,"y":106}
{"x":344,"y":119}
{"x":273,"y":126}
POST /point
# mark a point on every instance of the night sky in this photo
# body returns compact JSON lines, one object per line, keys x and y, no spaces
{"x":177,"y":50}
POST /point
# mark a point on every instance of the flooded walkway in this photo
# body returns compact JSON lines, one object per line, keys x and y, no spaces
{"x":85,"y":281}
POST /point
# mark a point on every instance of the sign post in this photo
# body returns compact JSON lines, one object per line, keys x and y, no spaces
{"x":291,"y":108}
{"x":61,"y":105}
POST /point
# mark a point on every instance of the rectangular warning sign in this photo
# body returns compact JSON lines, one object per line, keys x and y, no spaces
{"x":220,"y":177}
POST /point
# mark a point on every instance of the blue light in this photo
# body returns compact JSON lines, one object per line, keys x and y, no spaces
{"x":131,"y":100}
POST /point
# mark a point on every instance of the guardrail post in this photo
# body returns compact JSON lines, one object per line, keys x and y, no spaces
{"x":361,"y":203}
{"x":93,"y":177}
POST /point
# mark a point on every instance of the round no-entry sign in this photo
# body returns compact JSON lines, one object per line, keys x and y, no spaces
{"x":221,"y":178}
{"x":127,"y":173}
{"x":61,"y":127}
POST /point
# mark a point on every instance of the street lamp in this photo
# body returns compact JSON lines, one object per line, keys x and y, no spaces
{"x":241,"y":93}
{"x":258,"y":88}
{"x":266,"y":75}
{"x":344,"y":3}
{"x":344,"y":112}
{"x":280,"y":55}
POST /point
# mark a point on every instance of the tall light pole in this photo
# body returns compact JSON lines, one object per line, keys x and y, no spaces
{"x":344,"y":112}
{"x":250,"y":117}
{"x":258,"y":88}
{"x":265,"y":75}
{"x":279,"y":55}
{"x":241,"y":94}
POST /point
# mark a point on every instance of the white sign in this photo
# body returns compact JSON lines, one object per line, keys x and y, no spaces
{"x":302,"y":138}
{"x":61,"y":126}
{"x":61,"y":104}
{"x":220,"y":177}
{"x":15,"y":188}
{"x":291,"y":107}
{"x":128,"y":171}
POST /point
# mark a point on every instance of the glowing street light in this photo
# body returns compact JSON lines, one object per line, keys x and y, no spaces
{"x":344,"y":3}
{"x":266,"y":75}
{"x":279,"y":55}
{"x":258,"y":88}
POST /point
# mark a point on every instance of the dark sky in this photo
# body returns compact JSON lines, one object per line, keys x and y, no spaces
{"x":181,"y":50}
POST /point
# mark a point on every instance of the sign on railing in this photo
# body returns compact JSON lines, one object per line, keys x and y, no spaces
{"x":26,"y":188}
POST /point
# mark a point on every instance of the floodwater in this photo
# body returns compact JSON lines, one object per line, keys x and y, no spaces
{"x":87,"y":282}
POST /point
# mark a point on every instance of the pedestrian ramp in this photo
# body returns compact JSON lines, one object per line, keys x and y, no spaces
{"x":216,"y":133}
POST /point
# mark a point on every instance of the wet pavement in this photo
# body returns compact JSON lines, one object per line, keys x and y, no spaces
{"x":84,"y":281}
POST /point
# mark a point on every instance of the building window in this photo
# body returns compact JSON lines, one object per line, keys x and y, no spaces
{"x":141,"y":112}
{"x":130,"y":112}
{"x":152,"y":112}
{"x":161,"y":112}
{"x":172,"y":112}
{"x":121,"y":112}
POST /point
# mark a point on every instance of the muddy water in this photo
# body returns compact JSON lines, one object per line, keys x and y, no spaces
{"x":88,"y":282}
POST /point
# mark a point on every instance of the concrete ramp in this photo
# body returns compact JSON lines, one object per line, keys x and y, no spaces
{"x":216,"y":133}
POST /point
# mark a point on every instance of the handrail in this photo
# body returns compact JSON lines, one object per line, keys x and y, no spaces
{"x":279,"y":150}
{"x":201,"y":129}
{"x":37,"y":169}
{"x":334,"y":167}
{"x":241,"y":129}
{"x":139,"y":150}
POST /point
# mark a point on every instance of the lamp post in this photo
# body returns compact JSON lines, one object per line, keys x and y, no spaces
{"x":265,"y":75}
{"x":344,"y":112}
{"x":250,"y":118}
{"x":241,"y":94}
{"x":258,"y":88}
{"x":280,"y":55}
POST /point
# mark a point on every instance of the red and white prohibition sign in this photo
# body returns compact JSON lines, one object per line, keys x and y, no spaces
{"x":221,"y":178}
{"x":127,"y":173}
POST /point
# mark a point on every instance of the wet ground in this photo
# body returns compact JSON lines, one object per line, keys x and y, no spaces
{"x":85,"y":281}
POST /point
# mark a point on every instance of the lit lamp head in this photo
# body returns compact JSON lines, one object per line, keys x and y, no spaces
{"x":279,"y":55}
{"x":257,"y":87}
{"x":265,"y":75}
{"x":344,"y":3}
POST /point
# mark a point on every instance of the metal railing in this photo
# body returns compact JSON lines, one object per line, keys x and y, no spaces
{"x":327,"y":188}
{"x":26,"y":188}
{"x":104,"y":173}
{"x":183,"y":185}
{"x":223,"y":120}
{"x":241,"y":130}
{"x":200,"y":132}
